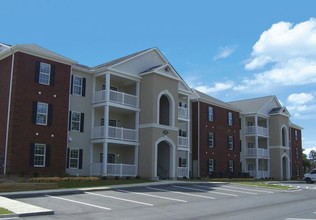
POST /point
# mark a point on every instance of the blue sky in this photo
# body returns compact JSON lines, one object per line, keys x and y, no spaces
{"x":229,"y":49}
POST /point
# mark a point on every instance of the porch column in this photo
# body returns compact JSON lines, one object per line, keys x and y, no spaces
{"x":188,"y":163}
{"x":257,"y":170}
{"x":105,"y":158}
{"x":137,"y":93}
{"x":137,"y":125}
{"x":91,"y":160}
{"x":136,"y":159}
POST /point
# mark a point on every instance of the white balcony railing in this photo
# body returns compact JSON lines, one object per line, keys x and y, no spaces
{"x":260,"y":152}
{"x":183,"y":112}
{"x":259,"y":174}
{"x":115,"y":97}
{"x":114,"y":169}
{"x":257,"y":130}
{"x":115,"y":133}
{"x":182,"y":172}
{"x":183,"y":142}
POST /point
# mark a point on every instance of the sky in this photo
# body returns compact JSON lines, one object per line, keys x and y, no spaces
{"x":229,"y":49}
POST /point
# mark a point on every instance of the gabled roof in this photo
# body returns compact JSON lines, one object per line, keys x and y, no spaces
{"x":253,"y":105}
{"x":211,"y":100}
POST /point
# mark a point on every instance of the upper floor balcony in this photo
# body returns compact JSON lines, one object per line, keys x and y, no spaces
{"x":183,"y":142}
{"x":115,"y":97}
{"x":183,"y":112}
{"x":116,"y":133}
{"x":257,"y":152}
{"x":257,"y":130}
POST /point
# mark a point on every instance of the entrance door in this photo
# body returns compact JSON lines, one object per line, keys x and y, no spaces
{"x":163,"y":160}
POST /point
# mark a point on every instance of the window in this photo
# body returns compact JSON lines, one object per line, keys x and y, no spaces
{"x":296,"y":153}
{"x":78,"y":85}
{"x":210,"y":114}
{"x":112,"y":122}
{"x":182,"y":162}
{"x":39,"y":155}
{"x":297,"y":170}
{"x":41,"y":113}
{"x":210,"y":166}
{"x":74,"y":158}
{"x":296,"y":135}
{"x":210,"y":139}
{"x":76,"y":121}
{"x":230,"y":142}
{"x":44,"y":74}
{"x":230,"y":166}
{"x":230,"y":118}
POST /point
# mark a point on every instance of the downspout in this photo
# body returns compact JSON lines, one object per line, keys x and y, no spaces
{"x":198,"y":137}
{"x":8,"y":119}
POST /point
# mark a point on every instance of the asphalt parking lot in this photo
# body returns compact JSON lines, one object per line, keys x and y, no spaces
{"x":180,"y":201}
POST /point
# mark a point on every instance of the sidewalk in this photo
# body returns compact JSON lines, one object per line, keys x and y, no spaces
{"x":21,"y":209}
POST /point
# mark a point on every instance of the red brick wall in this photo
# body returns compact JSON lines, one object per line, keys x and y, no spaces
{"x":5,"y":69}
{"x":220,"y":152}
{"x":297,"y":160}
{"x":25,"y":90}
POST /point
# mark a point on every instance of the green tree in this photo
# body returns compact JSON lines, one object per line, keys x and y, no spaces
{"x":306,"y":162}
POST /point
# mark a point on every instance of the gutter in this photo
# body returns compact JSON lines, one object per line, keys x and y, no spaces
{"x":8,"y":118}
{"x":198,"y":137}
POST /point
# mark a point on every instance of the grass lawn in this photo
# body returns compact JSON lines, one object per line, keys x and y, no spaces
{"x":4,"y":211}
{"x":266,"y":185}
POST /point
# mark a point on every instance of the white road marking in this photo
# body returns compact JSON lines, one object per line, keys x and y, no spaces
{"x":231,"y":190}
{"x":206,"y":187}
{"x":247,"y":189}
{"x":200,"y":190}
{"x":300,"y":219}
{"x":150,"y":195}
{"x":82,"y":203}
{"x":117,"y":198}
{"x":182,"y":193}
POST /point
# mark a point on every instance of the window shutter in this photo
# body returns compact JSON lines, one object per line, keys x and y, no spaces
{"x":47,"y":156}
{"x":228,"y":142}
{"x":37,"y":70}
{"x":69,"y":121}
{"x":71,"y":83}
{"x":32,"y":154}
{"x":80,"y":158}
{"x":52,"y":75}
{"x":50,"y":115}
{"x":67,"y":162}
{"x":81,"y":122}
{"x":34,"y":112}
{"x":83,"y":92}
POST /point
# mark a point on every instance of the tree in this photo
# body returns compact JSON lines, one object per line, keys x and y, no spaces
{"x":312,"y":155}
{"x":306,"y":162}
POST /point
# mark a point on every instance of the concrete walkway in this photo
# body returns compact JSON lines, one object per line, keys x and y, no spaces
{"x":21,"y":209}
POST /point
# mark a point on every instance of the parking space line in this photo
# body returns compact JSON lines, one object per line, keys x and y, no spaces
{"x":150,"y":195}
{"x":200,"y":190}
{"x":182,"y":193}
{"x":231,"y":190}
{"x":117,"y":198}
{"x":206,"y":187}
{"x":82,"y":203}
{"x":247,"y":189}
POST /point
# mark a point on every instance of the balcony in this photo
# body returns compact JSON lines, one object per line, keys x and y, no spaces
{"x":114,"y":169}
{"x":259,"y":174}
{"x":182,"y":172}
{"x":183,"y":142}
{"x":257,"y":130}
{"x":115,"y":97}
{"x":116,"y":133}
{"x":183,"y":112}
{"x":257,"y":152}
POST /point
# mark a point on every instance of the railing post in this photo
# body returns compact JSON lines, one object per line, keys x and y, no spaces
{"x":121,"y":170}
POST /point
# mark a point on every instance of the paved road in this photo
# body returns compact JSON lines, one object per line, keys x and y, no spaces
{"x":182,"y":201}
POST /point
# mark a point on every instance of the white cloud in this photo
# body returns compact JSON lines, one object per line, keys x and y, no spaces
{"x":224,"y":52}
{"x":217,"y":87}
{"x":300,"y":98}
{"x":288,"y":55}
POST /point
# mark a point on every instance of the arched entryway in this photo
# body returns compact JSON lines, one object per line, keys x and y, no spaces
{"x":285,"y":168}
{"x":165,"y":158}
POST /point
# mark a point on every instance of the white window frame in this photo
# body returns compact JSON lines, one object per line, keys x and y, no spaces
{"x":296,"y":134}
{"x":77,"y":88}
{"x":44,"y":74}
{"x":73,"y":159}
{"x":230,"y":142}
{"x":73,"y":121}
{"x":210,"y":113}
{"x":40,"y":155}
{"x":210,"y":136}
{"x":40,"y":114}
{"x":230,"y":118}
{"x":231,"y":166}
{"x":210,"y":165}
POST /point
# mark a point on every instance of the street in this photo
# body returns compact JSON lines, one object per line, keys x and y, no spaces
{"x":182,"y":201}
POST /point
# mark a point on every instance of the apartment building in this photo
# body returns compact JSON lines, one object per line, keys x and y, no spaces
{"x":265,"y":137}
{"x":215,"y":137}
{"x":34,"y":97}
{"x":133,"y":116}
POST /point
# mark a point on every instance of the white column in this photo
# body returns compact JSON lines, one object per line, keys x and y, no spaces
{"x":137,"y":125}
{"x":91,"y":159}
{"x":138,"y":94}
{"x":188,"y":164}
{"x":105,"y":158}
{"x":136,"y":158}
{"x":257,"y":170}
